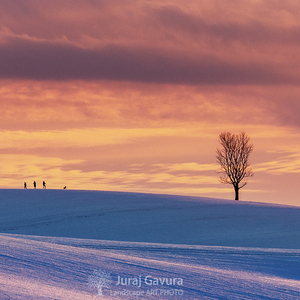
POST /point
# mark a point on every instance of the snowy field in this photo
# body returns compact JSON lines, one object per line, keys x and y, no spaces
{"x":154,"y":246}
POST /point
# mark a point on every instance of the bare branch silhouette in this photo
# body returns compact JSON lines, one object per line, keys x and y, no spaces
{"x":233,"y":158}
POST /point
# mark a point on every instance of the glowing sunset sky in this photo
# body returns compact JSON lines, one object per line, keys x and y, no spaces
{"x":132,"y":95}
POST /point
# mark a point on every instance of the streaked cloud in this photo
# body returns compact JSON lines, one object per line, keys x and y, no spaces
{"x":56,"y":61}
{"x":287,"y":164}
{"x":84,"y":138}
{"x":39,"y":105}
{"x":151,"y":42}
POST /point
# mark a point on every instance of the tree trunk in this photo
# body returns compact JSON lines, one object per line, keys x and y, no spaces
{"x":236,"y":189}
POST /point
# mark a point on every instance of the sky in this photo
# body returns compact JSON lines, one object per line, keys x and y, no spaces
{"x":132,"y":95}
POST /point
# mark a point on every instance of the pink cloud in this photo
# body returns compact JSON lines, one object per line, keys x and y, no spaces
{"x":181,"y":43}
{"x":49,"y":61}
{"x":42,"y":105}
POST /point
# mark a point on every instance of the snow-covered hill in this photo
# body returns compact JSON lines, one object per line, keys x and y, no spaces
{"x":52,"y":241}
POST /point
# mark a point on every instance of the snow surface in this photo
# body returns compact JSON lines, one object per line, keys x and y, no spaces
{"x":53,"y":240}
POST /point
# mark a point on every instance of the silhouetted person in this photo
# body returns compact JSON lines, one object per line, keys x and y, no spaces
{"x":34,"y":184}
{"x":25,"y":185}
{"x":44,"y":185}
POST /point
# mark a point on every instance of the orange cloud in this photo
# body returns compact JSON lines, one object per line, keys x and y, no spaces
{"x":287,"y":164}
{"x":75,"y":104}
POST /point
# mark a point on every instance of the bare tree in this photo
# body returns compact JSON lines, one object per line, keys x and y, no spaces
{"x":99,"y":279}
{"x":233,"y":159}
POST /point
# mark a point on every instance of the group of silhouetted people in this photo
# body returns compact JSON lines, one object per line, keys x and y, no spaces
{"x":34,"y":185}
{"x":44,"y":185}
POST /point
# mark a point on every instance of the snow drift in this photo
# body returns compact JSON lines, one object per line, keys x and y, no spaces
{"x":52,"y":242}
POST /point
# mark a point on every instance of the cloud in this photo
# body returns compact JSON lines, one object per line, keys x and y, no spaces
{"x":90,"y":137}
{"x":191,"y":42}
{"x":57,"y":173}
{"x":252,"y":30}
{"x":42,"y":105}
{"x":289,"y":164}
{"x":26,"y":59}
